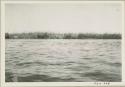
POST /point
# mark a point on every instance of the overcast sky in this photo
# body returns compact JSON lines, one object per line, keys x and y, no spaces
{"x":64,"y":18}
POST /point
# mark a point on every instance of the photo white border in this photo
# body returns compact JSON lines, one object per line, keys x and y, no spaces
{"x":9,"y":84}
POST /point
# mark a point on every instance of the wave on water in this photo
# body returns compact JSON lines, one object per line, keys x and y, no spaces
{"x":63,"y":60}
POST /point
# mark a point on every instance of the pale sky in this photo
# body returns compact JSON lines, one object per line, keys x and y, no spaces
{"x":64,"y":18}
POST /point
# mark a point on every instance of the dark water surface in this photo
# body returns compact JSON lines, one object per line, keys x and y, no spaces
{"x":61,"y":60}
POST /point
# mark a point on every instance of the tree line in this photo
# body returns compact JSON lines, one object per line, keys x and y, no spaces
{"x":46,"y":35}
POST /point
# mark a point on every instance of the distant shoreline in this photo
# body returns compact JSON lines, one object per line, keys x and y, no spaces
{"x":46,"y":35}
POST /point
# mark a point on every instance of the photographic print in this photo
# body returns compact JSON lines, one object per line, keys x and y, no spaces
{"x":63,"y":42}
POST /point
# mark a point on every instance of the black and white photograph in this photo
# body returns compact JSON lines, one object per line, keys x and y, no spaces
{"x":63,"y":42}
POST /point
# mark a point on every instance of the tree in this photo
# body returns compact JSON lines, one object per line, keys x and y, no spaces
{"x":7,"y":36}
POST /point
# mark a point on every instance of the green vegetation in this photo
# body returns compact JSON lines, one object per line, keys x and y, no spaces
{"x":45,"y":35}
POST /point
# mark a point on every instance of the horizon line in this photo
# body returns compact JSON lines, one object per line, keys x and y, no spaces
{"x":66,"y":32}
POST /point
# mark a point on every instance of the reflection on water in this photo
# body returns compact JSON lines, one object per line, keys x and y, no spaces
{"x":59,"y":60}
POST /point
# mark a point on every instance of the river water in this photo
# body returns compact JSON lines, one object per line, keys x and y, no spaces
{"x":62,"y":60}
